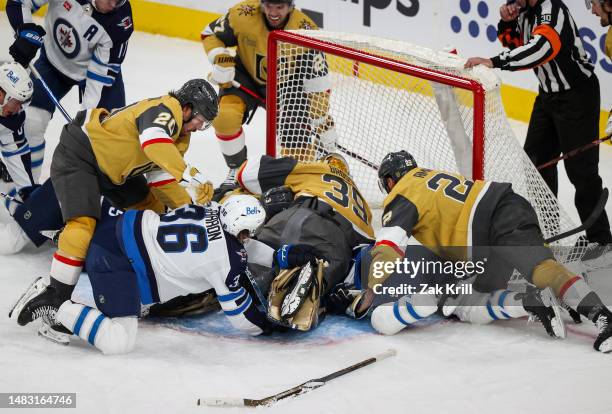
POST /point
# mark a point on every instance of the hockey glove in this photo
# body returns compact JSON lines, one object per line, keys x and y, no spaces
{"x":224,"y":67}
{"x":29,"y":38}
{"x":339,"y":299}
{"x":609,"y":125}
{"x":294,"y":255}
{"x":203,"y":188}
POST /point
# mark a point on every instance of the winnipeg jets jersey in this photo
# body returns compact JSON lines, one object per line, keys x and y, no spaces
{"x":15,"y":149}
{"x":187,"y":251}
{"x":81,"y":42}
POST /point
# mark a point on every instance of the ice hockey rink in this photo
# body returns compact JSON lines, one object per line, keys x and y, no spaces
{"x":446,"y":367}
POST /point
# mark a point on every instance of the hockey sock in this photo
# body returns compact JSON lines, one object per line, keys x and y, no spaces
{"x":389,"y":319}
{"x":109,"y":335}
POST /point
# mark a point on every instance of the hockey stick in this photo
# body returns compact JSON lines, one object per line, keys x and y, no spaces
{"x":599,"y":208}
{"x":574,"y":152}
{"x":50,"y":93}
{"x":297,"y":390}
{"x":10,"y":198}
{"x":248,"y":91}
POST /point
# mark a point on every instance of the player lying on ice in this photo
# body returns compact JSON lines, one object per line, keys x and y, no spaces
{"x":447,"y":213}
{"x":314,"y":204}
{"x":143,"y":258}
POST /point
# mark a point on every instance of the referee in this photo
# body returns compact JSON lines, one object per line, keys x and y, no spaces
{"x":542,"y":35}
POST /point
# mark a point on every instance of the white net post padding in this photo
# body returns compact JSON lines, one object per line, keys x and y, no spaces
{"x":378,"y":95}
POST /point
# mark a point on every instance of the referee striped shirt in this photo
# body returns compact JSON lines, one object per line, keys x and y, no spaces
{"x":545,"y":38}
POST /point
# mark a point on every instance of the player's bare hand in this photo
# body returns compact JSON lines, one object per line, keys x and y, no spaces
{"x":475,"y":61}
{"x":509,"y":12}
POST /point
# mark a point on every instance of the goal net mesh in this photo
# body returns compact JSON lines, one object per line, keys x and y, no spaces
{"x":358,"y":91}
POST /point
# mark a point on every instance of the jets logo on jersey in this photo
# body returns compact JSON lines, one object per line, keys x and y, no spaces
{"x":66,"y":38}
{"x":125,"y":23}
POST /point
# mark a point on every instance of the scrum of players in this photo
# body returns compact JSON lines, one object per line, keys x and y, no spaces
{"x":283,"y":242}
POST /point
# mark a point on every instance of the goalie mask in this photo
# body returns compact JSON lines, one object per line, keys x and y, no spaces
{"x":16,"y":84}
{"x":395,"y":165}
{"x":242,"y":213}
{"x":338,"y":161}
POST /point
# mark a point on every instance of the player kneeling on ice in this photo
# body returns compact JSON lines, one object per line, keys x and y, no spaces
{"x":143,"y":258}
{"x":464,"y":220}
{"x":432,"y":290}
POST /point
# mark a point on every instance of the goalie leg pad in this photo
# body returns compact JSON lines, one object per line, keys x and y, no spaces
{"x":295,"y":296}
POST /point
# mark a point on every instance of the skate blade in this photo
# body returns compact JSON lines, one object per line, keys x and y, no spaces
{"x":557,"y":323}
{"x":25,"y":298}
{"x":52,"y":335}
{"x":294,"y":299}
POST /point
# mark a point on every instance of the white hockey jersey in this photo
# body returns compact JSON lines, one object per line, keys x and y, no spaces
{"x":15,"y":150}
{"x":81,"y":43}
{"x":186,"y":251}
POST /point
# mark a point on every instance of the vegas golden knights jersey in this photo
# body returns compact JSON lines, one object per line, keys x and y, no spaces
{"x":445,"y":212}
{"x":139,"y":138}
{"x":244,"y":26}
{"x":329,"y":184}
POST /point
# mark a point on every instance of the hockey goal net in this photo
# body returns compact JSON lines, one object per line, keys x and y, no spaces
{"x":384,"y":95}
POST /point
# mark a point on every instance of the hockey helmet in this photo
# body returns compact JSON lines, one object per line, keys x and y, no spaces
{"x":200,"y":96}
{"x":16,"y":83}
{"x":118,"y":5}
{"x":242,"y":212}
{"x":336,"y":160}
{"x":395,"y":165}
{"x":287,"y":2}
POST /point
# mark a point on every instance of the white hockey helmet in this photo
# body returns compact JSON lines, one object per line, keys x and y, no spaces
{"x":242,"y":212}
{"x":16,"y":83}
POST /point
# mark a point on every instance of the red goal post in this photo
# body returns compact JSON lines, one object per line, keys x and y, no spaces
{"x":383,"y":62}
{"x":381,"y":95}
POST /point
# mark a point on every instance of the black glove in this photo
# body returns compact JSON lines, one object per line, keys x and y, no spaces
{"x":29,"y":40}
{"x":339,"y":299}
{"x":294,"y":255}
{"x":25,"y":192}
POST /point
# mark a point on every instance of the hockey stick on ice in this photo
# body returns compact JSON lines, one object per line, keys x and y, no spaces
{"x":599,"y":208}
{"x":50,"y":93}
{"x":297,"y":390}
{"x":574,"y":152}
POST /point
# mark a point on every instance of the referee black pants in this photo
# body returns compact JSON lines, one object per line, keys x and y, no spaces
{"x":561,"y":122}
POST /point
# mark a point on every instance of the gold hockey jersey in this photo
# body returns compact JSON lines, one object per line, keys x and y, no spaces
{"x":445,"y":212}
{"x":321,"y":180}
{"x":139,"y":138}
{"x":244,"y":27}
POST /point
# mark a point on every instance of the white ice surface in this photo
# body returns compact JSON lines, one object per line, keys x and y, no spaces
{"x":445,"y":368}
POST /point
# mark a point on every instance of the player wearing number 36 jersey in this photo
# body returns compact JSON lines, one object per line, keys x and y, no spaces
{"x":143,"y":258}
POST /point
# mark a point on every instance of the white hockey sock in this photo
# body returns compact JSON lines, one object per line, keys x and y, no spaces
{"x":65,"y":269}
{"x":503,"y":304}
{"x":36,"y":123}
{"x":231,"y":144}
{"x":389,"y":319}
{"x":109,"y":335}
{"x":574,"y":291}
